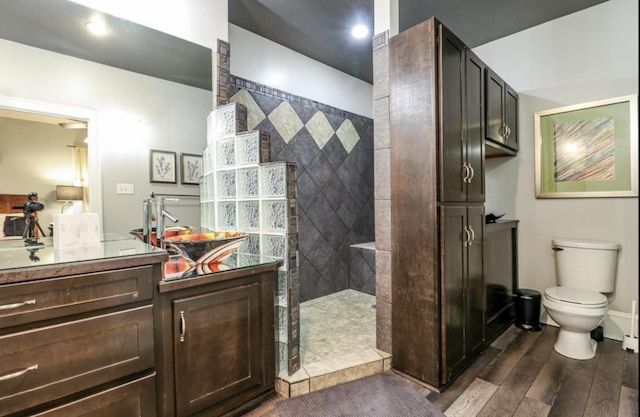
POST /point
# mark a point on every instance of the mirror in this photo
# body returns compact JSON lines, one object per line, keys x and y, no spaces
{"x":127,"y":112}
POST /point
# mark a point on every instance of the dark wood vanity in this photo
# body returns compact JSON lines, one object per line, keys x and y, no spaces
{"x":97,"y":331}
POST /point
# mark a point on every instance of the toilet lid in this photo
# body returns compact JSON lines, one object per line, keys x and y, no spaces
{"x":586,"y":298}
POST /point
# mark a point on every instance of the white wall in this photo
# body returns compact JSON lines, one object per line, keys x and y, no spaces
{"x":583,"y":57}
{"x":265,"y":62}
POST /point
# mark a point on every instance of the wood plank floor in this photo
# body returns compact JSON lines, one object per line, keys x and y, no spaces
{"x":521,"y":375}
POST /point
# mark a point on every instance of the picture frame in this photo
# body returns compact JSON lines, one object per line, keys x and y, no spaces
{"x":162,"y":166}
{"x":587,"y":150}
{"x":190,"y":168}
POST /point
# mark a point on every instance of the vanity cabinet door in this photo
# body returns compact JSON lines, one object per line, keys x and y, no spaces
{"x":49,"y":363}
{"x":217,"y":345}
{"x":33,"y":301}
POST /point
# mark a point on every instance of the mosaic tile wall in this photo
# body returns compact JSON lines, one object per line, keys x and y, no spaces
{"x":333,"y":150}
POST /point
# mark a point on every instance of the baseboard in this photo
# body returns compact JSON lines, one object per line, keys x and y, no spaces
{"x":616,"y":324}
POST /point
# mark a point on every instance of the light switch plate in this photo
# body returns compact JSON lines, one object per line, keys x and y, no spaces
{"x":124,"y":189}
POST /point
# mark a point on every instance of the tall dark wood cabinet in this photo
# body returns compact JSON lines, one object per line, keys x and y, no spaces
{"x":437,"y":196}
{"x":502,"y":112}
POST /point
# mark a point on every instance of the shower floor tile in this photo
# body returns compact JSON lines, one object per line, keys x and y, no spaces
{"x":337,"y":343}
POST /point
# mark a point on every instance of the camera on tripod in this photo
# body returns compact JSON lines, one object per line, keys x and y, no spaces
{"x":29,"y":208}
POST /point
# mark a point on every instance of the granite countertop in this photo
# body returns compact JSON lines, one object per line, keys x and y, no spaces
{"x":19,"y":262}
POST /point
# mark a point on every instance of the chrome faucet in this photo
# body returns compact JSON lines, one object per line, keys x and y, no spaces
{"x":148,"y":218}
{"x":162,"y":213}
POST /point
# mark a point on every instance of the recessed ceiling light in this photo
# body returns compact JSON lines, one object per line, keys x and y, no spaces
{"x":359,"y":31}
{"x":96,"y":27}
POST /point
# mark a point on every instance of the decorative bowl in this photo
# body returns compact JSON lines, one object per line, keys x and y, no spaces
{"x":168,"y":232}
{"x":206,"y":248}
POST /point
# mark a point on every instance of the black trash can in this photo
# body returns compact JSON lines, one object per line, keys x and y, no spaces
{"x":527,"y":309}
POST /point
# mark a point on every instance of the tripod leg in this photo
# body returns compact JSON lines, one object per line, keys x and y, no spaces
{"x":40,"y":228}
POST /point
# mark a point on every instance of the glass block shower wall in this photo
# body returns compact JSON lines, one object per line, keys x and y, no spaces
{"x":240,"y":190}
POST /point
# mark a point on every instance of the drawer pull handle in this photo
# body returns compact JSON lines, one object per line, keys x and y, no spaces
{"x":17,"y":305}
{"x":183,"y":326}
{"x":19,"y":373}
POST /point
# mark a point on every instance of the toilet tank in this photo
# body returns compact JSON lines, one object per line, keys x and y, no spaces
{"x":589,"y":264}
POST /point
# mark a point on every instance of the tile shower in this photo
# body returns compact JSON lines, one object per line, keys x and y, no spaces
{"x":332,"y":152}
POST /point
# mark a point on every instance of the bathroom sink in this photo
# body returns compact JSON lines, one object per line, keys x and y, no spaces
{"x":168,"y":232}
{"x":206,"y":248}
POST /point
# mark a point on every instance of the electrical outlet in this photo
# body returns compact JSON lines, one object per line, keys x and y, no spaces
{"x":124,"y":189}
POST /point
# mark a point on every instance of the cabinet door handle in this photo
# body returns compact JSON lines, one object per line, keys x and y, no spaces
{"x":17,"y":305}
{"x":507,"y":131}
{"x":473,"y":173}
{"x":473,"y":235}
{"x":467,"y":236}
{"x":183,"y":326}
{"x":465,"y":176}
{"x":18,"y":373}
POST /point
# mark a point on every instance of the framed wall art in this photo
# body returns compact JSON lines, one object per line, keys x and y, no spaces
{"x":588,"y":150}
{"x":190,"y":168}
{"x":162,"y":166}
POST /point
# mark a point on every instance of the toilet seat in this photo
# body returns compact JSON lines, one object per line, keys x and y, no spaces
{"x":578,"y":297}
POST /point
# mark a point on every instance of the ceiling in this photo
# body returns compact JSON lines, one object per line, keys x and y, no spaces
{"x":319,"y":29}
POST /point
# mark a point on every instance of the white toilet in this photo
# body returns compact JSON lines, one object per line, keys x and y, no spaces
{"x":585,"y":269}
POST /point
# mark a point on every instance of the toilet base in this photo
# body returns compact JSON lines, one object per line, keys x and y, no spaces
{"x":575,"y":345}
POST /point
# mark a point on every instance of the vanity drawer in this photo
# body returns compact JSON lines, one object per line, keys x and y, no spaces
{"x":134,"y":399}
{"x":34,"y":301}
{"x":48,"y":363}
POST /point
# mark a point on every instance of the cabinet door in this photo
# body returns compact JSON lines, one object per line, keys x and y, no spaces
{"x":217,"y":346}
{"x":452,"y":141}
{"x":494,"y":99}
{"x":511,"y":117}
{"x":463,"y":286}
{"x":454,"y":257}
{"x":474,"y":324}
{"x":474,"y":101}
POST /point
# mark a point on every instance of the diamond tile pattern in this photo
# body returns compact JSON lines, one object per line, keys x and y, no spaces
{"x":254,"y":113}
{"x":286,"y":121}
{"x":348,"y":135}
{"x":320,"y":129}
{"x":333,"y":150}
